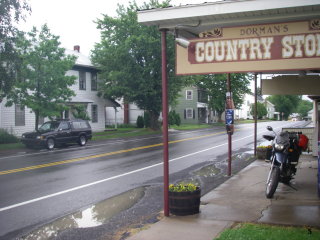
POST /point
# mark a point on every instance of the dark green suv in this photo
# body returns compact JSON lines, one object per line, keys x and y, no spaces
{"x":56,"y":132}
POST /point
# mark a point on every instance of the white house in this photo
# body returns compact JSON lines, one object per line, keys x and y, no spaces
{"x":271,"y":110}
{"x":244,"y":111}
{"x":17,"y":120}
{"x":124,"y":113}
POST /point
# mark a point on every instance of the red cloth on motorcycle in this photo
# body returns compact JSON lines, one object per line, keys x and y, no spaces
{"x":303,"y":141}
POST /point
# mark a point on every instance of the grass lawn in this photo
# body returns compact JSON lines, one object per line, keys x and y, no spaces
{"x":9,"y":146}
{"x":250,"y":121}
{"x":249,"y":231}
{"x":122,"y":133}
{"x":195,"y":126}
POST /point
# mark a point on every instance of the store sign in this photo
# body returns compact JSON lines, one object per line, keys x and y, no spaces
{"x":259,"y":48}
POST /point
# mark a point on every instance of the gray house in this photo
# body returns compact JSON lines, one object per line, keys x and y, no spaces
{"x":192,"y":105}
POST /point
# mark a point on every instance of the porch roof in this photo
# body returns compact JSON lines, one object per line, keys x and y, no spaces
{"x":193,"y":19}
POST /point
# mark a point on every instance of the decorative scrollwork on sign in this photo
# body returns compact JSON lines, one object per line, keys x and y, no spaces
{"x":315,"y":24}
{"x":214,"y":33}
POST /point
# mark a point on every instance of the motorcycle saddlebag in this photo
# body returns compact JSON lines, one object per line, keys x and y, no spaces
{"x":303,"y":141}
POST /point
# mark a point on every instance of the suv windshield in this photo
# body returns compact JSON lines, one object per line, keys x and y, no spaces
{"x":49,"y":126}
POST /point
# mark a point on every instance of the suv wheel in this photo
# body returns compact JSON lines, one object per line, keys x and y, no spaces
{"x":82,"y":140}
{"x":50,"y":144}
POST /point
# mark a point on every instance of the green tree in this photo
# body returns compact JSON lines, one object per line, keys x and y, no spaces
{"x":129,"y":56}
{"x":11,"y":11}
{"x":216,"y":87}
{"x":285,"y":104}
{"x":261,"y":110}
{"x":304,"y":107}
{"x":146,"y":119}
{"x":79,"y":111}
{"x":43,"y":85}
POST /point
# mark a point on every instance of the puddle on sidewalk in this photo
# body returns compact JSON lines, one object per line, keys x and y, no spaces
{"x":245,"y":156}
{"x":93,"y":216}
{"x":208,"y":171}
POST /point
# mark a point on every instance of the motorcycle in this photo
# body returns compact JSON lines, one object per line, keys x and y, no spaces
{"x":284,"y":159}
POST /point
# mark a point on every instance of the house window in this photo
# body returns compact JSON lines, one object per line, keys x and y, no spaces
{"x":94,"y":113}
{"x":189,"y":113}
{"x":94,"y":82}
{"x":19,"y":115}
{"x":82,"y":80}
{"x":189,"y":94}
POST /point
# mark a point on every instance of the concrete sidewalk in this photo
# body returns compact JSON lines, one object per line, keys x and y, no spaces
{"x":242,"y":199}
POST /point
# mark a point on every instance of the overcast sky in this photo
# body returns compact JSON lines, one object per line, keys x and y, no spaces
{"x":72,"y":20}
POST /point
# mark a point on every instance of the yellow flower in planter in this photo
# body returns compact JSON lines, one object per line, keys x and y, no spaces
{"x":183,"y":187}
{"x":184,"y":199}
{"x":264,"y":147}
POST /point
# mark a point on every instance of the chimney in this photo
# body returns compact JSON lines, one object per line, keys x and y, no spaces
{"x":76,"y":48}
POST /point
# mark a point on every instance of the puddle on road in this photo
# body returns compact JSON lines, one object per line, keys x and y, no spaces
{"x":93,"y":216}
{"x":208,"y":171}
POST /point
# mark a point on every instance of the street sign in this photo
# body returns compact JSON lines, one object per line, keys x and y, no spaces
{"x":229,"y":116}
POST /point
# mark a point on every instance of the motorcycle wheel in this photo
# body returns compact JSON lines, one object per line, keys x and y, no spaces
{"x":272,"y":182}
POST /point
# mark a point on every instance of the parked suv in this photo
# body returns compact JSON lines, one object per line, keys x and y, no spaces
{"x":57,"y":132}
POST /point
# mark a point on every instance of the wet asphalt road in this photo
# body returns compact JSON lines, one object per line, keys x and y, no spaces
{"x":40,"y":186}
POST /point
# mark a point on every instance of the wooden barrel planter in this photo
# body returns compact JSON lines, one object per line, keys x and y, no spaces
{"x":184,"y":203}
{"x":264,"y":152}
{"x":269,"y":153}
{"x":261,"y":152}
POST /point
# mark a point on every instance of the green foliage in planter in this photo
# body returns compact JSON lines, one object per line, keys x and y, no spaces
{"x":264,"y":147}
{"x":182,"y":187}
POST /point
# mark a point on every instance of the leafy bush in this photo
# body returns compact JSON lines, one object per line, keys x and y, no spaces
{"x":6,"y":137}
{"x":140,"y":122}
{"x":174,"y":118}
{"x":177,"y":119}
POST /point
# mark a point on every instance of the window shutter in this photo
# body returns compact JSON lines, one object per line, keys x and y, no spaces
{"x":194,"y":115}
{"x":185,"y":113}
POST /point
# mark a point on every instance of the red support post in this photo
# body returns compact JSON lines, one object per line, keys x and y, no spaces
{"x":229,"y":105}
{"x":255,"y":113}
{"x":165,"y":122}
{"x":229,"y":153}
